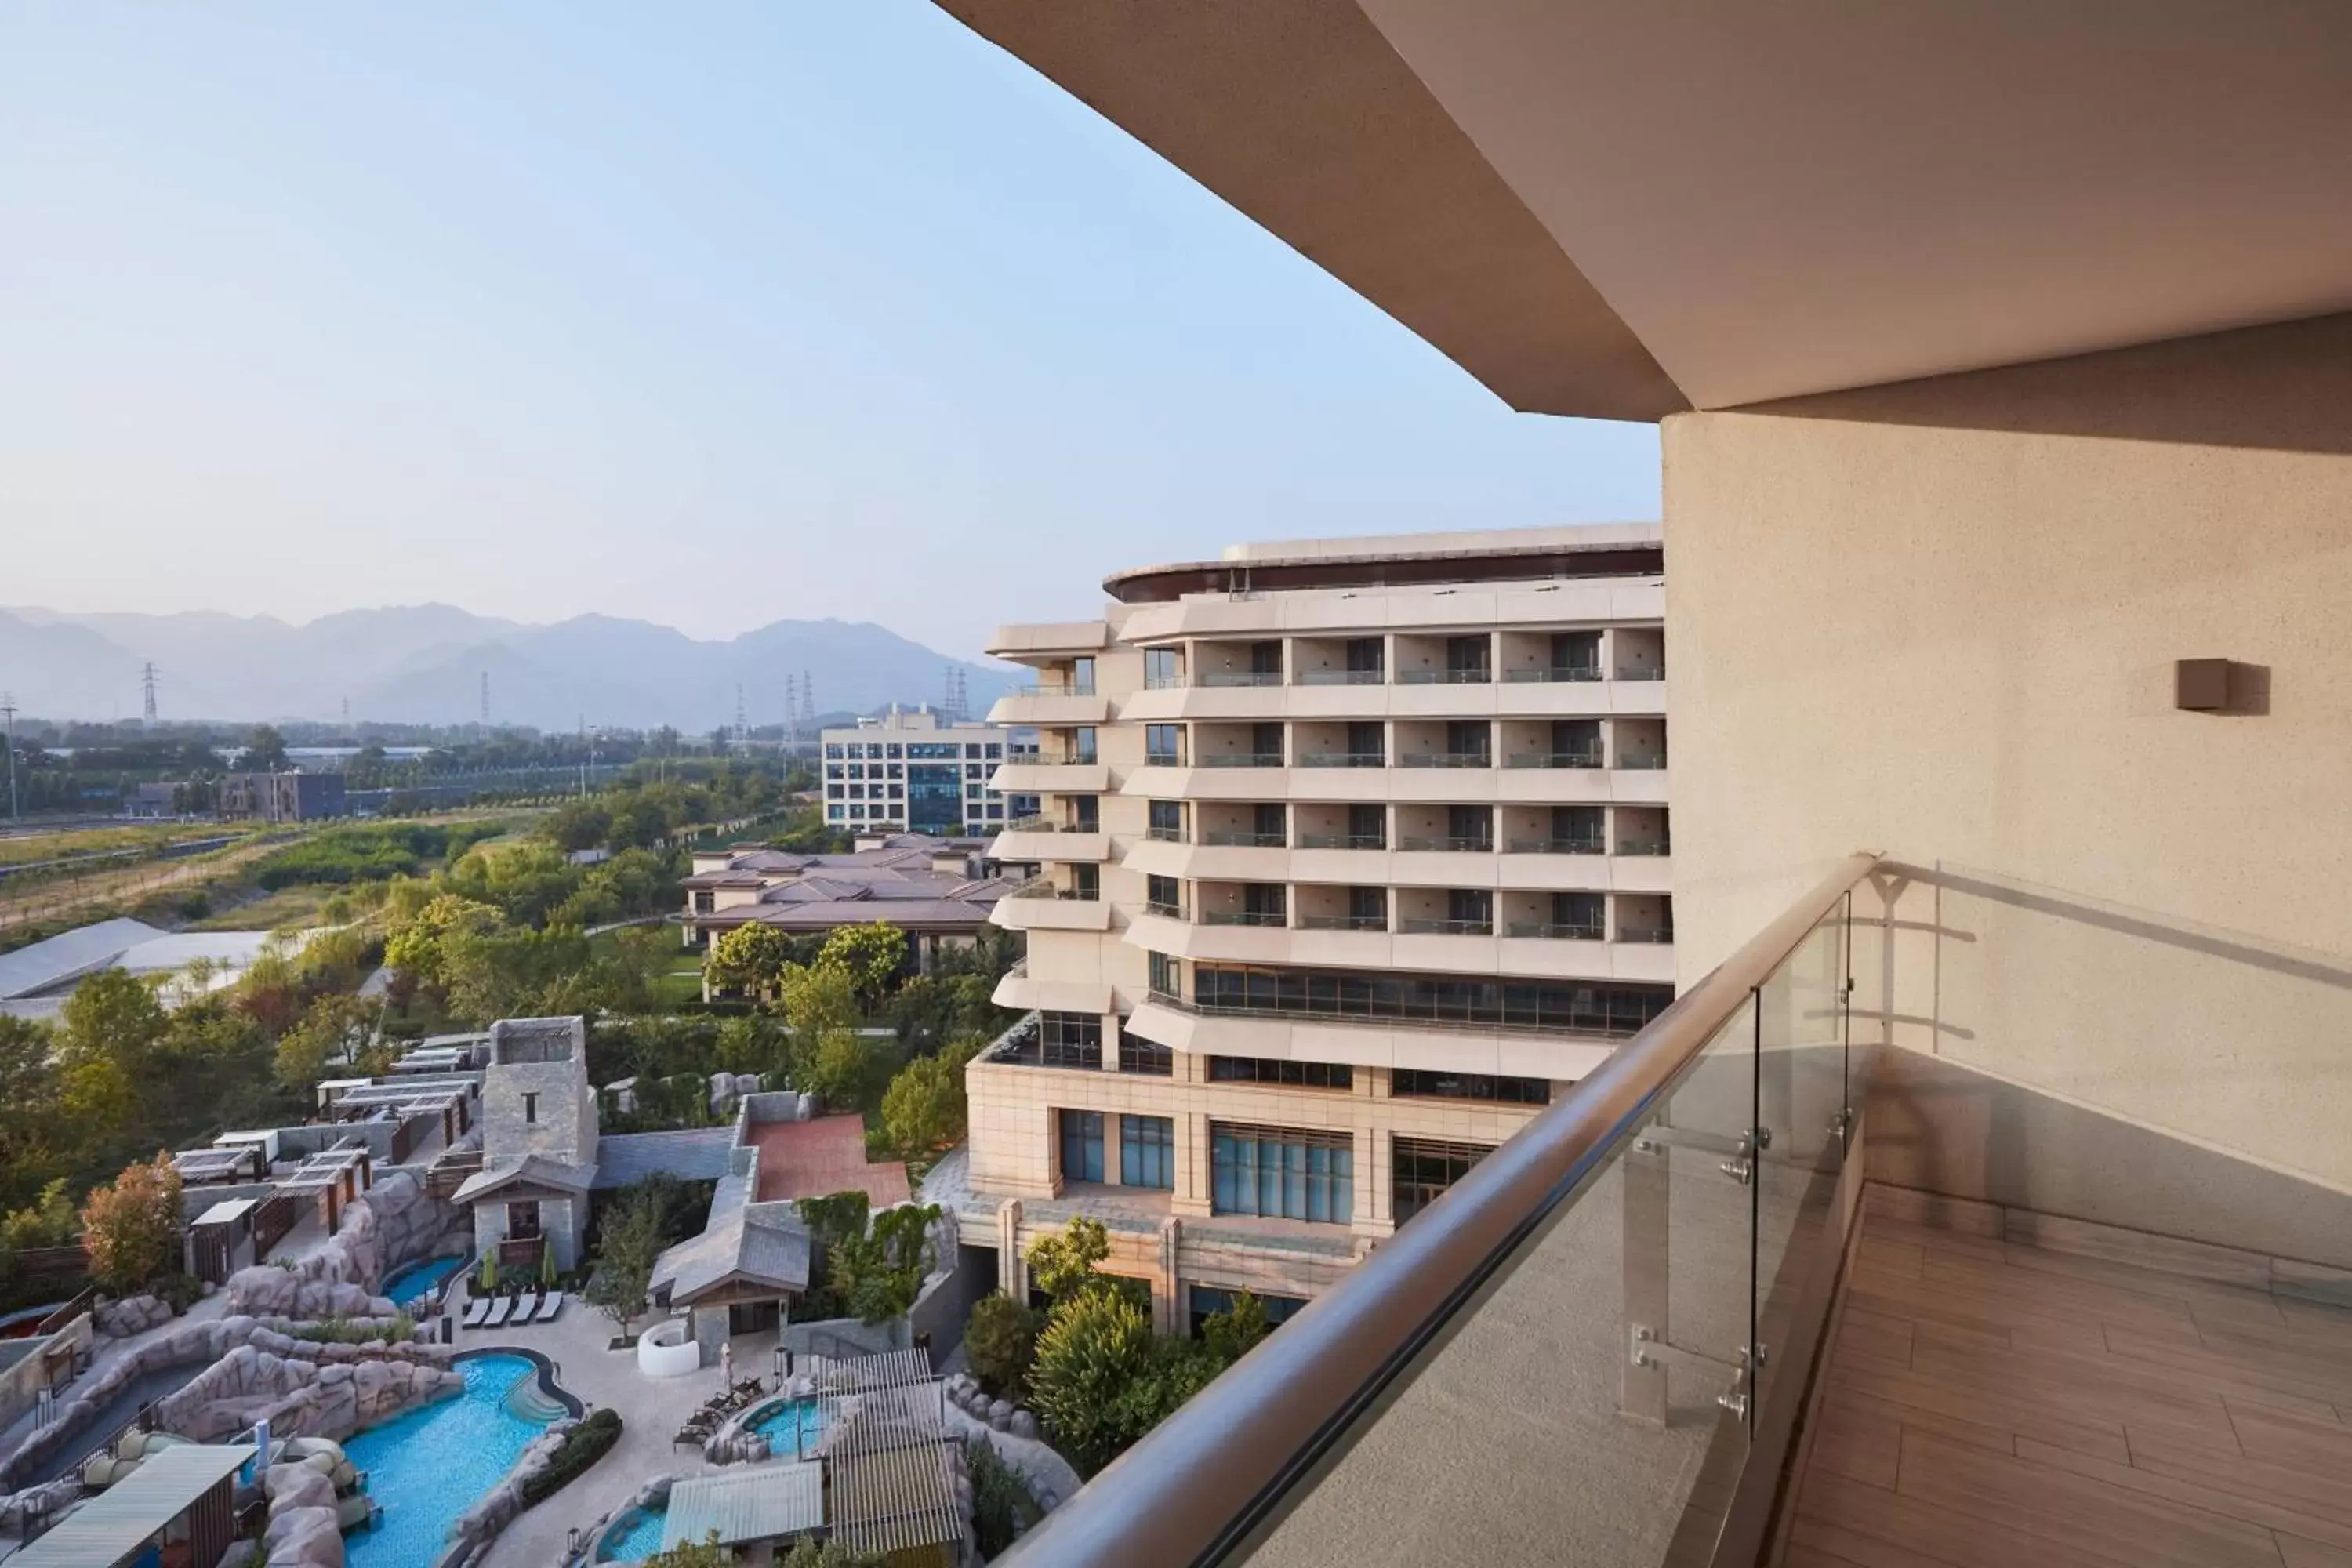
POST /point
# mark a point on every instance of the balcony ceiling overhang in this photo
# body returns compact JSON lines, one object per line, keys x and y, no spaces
{"x":1622,"y":208}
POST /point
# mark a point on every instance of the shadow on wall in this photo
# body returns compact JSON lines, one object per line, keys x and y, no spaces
{"x":2280,"y":388}
{"x":2083,"y":1059}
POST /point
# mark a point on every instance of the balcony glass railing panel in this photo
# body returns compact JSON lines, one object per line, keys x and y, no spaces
{"x":1230,"y":838}
{"x":1166,"y":910}
{"x":1340,"y":677}
{"x":1341,"y":841}
{"x":1218,"y":678}
{"x":1555,"y":931}
{"x":1444,"y":676}
{"x":1056,"y":688}
{"x":1447,"y":760}
{"x":1341,"y":760}
{"x":1592,"y":759}
{"x":1644,"y":847}
{"x":1555,"y":1367}
{"x":1423,"y":925}
{"x":1342,"y":922}
{"x":1243,"y":917}
{"x":1164,"y":834}
{"x":1557,"y":672}
{"x":1653,"y":763}
{"x":1558,"y":846}
{"x":1448,"y":843}
{"x":1240,"y":760}
{"x":1660,"y":935}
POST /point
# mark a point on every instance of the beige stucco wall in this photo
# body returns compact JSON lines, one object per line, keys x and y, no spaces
{"x":1939,"y":620}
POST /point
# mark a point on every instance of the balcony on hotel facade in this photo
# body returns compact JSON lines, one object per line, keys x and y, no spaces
{"x":1724,"y":1274}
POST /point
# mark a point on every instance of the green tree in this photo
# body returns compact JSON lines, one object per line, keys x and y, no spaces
{"x":818,"y":997}
{"x":1236,"y":1331}
{"x":420,"y":943}
{"x":870,"y":954}
{"x":113,"y":1016}
{"x":330,"y":1031}
{"x":51,"y":1221}
{"x":752,"y":959}
{"x":576,"y":825}
{"x":923,"y":1110}
{"x":132,"y":1225}
{"x":265,"y":750}
{"x":1094,"y":1350}
{"x":628,"y":1246}
{"x":28,"y":1107}
{"x":837,"y":1072}
{"x":1063,"y":1266}
{"x":1000,"y":1340}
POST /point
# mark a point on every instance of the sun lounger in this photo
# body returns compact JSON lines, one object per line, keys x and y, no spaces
{"x":553,"y":1304}
{"x":500,"y":1309}
{"x":525,"y":1305}
{"x":476,"y":1311}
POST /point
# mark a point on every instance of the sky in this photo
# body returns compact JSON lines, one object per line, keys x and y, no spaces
{"x":710,"y":316}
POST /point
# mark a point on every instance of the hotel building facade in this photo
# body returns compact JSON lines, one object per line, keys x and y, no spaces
{"x":1352,"y":854}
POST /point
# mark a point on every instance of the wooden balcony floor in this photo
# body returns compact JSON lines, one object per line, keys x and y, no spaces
{"x":1992,"y":1404}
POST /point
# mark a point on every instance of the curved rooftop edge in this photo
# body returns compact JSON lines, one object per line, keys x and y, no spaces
{"x":572,"y":1403}
{"x":1594,"y":549}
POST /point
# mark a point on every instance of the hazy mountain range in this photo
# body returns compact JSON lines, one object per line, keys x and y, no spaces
{"x":425,"y":663}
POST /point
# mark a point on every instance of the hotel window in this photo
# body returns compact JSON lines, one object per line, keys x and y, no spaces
{"x":1087,"y":812}
{"x":996,"y":750}
{"x":1082,"y":744}
{"x":1163,"y":745}
{"x":1282,"y":1171}
{"x":1409,"y":1083}
{"x":1166,"y":974}
{"x":1208,"y":1300}
{"x":531,"y":1107}
{"x":1069,"y":1040}
{"x":1424,"y":1168}
{"x":971,"y":747}
{"x":1366,"y":655}
{"x":1167,"y":820}
{"x":1082,"y":1145}
{"x":1162,"y":666}
{"x":1269,"y":1070}
{"x":1147,"y":1152}
{"x":1148,"y":1058}
{"x":1163,"y":895}
{"x":1085,"y":883}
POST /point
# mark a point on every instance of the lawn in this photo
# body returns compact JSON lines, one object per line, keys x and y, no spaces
{"x":681,"y":983}
{"x":298,"y":906}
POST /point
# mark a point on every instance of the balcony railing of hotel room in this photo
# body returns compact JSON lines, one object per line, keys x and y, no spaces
{"x":1590,"y":758}
{"x":1596,"y":1345}
{"x":1056,"y":688}
{"x":1545,"y":1270}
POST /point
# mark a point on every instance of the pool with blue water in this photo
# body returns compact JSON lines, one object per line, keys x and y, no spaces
{"x":793,"y":1428}
{"x":411,"y":1281}
{"x":633,"y":1538}
{"x":426,"y":1468}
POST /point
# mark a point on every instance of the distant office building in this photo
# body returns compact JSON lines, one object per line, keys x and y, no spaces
{"x":913,"y":772}
{"x":151,"y":802}
{"x":281,"y":797}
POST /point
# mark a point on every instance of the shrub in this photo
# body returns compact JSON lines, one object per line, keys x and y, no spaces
{"x":1095,"y":1351}
{"x":132,"y":1225}
{"x":176,"y":1290}
{"x":583,"y":1446}
{"x":348,"y":1332}
{"x":999,"y":1341}
{"x":1002,"y":1504}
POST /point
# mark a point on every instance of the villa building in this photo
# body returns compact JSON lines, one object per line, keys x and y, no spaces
{"x":1355,"y":853}
{"x":915,"y":773}
{"x":940,"y":891}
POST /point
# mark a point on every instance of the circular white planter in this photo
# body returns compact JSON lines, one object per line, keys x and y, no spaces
{"x":668,"y":1349}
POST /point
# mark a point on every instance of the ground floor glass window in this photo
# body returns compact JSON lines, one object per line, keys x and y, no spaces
{"x":1289,"y":1173}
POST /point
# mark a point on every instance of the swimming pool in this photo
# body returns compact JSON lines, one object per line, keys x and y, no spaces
{"x":791,"y":1428}
{"x":635,"y":1537}
{"x":426,"y":1468}
{"x":411,"y":1281}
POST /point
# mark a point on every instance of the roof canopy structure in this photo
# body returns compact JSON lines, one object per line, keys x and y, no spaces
{"x":1624,"y":209}
{"x":530,"y":1171}
{"x":770,"y":1502}
{"x":118,"y":1521}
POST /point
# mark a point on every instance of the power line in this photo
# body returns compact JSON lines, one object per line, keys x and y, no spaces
{"x":147,"y":689}
{"x":9,"y":712}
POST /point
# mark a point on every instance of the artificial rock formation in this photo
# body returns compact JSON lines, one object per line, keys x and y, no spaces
{"x":480,"y":1525}
{"x":132,"y":1315}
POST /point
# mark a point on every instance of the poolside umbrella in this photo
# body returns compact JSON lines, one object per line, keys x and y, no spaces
{"x":547,"y":1266}
{"x":489,"y":1276}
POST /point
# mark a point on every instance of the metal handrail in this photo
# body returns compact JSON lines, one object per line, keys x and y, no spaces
{"x":1554,"y":930}
{"x":1559,"y":846}
{"x":1341,"y":841}
{"x":1199,"y":1482}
